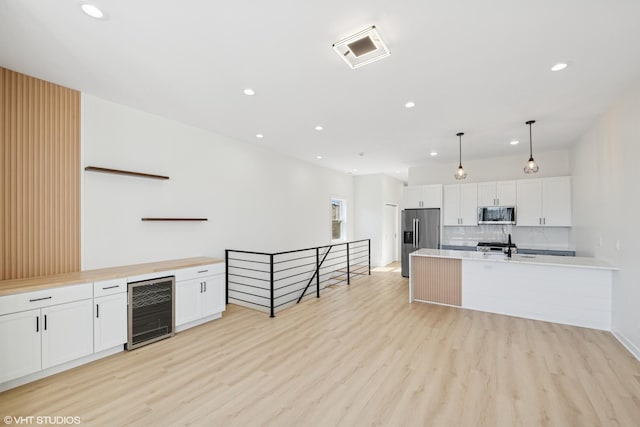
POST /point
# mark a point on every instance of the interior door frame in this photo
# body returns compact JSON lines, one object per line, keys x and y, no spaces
{"x":395,"y":253}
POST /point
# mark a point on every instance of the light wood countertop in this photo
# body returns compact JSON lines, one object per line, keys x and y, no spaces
{"x":16,"y":286}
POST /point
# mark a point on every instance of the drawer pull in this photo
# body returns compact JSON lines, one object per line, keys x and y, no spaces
{"x":203,"y":271}
{"x":39,"y":299}
{"x":110,"y":287}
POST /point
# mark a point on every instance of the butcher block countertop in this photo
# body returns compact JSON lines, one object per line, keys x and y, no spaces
{"x":16,"y":286}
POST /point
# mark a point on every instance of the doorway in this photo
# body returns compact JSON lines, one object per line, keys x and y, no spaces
{"x":390,"y":234}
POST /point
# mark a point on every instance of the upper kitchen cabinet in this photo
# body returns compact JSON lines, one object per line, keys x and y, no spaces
{"x":461,"y":204}
{"x":501,"y":193}
{"x":423,"y":196}
{"x":544,"y":202}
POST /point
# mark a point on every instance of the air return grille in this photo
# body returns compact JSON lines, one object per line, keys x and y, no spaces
{"x":362,"y":48}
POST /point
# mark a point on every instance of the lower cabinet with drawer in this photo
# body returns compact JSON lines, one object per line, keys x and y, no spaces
{"x":57,"y":332}
{"x":199,"y":295}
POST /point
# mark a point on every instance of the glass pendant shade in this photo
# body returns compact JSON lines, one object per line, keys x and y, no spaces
{"x":531,"y":166}
{"x":460,"y":173}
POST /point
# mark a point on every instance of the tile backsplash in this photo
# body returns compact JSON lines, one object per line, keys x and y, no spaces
{"x":552,"y":238}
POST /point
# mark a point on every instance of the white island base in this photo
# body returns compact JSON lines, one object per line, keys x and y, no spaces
{"x":569,"y":290}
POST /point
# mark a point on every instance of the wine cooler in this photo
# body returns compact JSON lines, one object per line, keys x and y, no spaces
{"x":151,"y":311}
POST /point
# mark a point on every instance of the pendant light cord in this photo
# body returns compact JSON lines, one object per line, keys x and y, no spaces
{"x":460,"y":149}
{"x":530,"y":143}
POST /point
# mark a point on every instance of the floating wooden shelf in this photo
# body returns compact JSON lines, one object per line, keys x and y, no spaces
{"x":121,"y":172}
{"x":175,"y":219}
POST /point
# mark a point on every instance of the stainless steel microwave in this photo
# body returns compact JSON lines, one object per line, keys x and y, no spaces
{"x":497,"y":215}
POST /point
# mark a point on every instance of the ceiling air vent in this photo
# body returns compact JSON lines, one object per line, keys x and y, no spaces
{"x":362,"y":48}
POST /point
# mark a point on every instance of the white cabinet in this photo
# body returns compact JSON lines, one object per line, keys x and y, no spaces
{"x":56,"y":330}
{"x":544,"y":202}
{"x":188,"y":301}
{"x":529,"y":208}
{"x":67,"y":332}
{"x":461,"y":204}
{"x":109,"y":314}
{"x":213,"y":300}
{"x":501,"y":193}
{"x":20,"y":339}
{"x":110,"y":321}
{"x":199,"y":294}
{"x":423,"y":196}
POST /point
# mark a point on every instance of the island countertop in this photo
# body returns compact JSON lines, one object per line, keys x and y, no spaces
{"x":559,"y":261}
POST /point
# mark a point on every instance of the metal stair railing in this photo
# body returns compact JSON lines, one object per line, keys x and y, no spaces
{"x":273,"y":281}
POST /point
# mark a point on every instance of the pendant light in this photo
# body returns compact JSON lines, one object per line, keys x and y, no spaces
{"x":460,"y":173}
{"x":531,"y":166}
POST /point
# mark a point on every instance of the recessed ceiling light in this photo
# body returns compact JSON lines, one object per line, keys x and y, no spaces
{"x":355,"y":170}
{"x":249,"y":92}
{"x":319,"y":128}
{"x":514,"y":142}
{"x":410,"y":104}
{"x":92,"y":11}
{"x":433,"y":153}
{"x":559,"y":66}
{"x":259,"y":135}
{"x":319,"y":157}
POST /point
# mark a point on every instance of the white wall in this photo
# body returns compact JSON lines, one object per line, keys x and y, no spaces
{"x":606,"y":206}
{"x":372,"y":192}
{"x":254,"y":198}
{"x":552,"y":163}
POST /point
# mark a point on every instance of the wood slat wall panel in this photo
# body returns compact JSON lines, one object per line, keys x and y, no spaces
{"x":437,"y":280}
{"x":39,"y":177}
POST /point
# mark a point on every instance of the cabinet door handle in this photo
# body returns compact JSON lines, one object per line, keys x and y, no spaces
{"x":37,"y":323}
{"x":205,"y":286}
{"x":45,"y":322}
{"x":39,"y":299}
{"x":97,"y":311}
{"x":203,"y":271}
{"x":544,"y":220}
{"x":200,"y":287}
{"x":111,"y":287}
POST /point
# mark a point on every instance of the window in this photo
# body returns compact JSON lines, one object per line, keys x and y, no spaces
{"x":338,"y":219}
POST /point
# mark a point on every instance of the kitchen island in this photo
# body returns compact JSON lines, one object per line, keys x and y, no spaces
{"x":569,"y":290}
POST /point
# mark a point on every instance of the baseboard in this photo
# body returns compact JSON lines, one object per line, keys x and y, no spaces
{"x":198,"y":322}
{"x":56,"y":369}
{"x":635,"y":351}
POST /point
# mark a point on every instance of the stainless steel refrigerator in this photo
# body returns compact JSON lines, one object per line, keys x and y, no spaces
{"x":420,"y":229}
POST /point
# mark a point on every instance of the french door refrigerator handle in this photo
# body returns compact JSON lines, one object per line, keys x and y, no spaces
{"x":414,"y":233}
{"x":417,"y":233}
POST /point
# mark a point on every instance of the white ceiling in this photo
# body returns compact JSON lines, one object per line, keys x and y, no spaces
{"x":482,"y":67}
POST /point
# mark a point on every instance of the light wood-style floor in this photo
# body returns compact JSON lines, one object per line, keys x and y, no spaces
{"x":360,"y":355}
